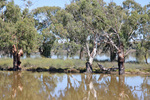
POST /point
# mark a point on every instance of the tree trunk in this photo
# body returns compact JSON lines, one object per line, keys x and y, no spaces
{"x":89,"y":67}
{"x":68,"y":51}
{"x":90,"y":61}
{"x":81,"y":53}
{"x":16,"y":58}
{"x":112,"y":54}
{"x":146,"y":59}
{"x":14,"y":51}
{"x":121,"y":60}
{"x":121,"y":68}
{"x":67,"y":54}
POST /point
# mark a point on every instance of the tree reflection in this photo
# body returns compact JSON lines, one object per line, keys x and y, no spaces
{"x":17,"y":86}
{"x":90,"y":88}
{"x":145,"y":87}
{"x":109,"y":87}
{"x":45,"y":86}
{"x":115,"y":87}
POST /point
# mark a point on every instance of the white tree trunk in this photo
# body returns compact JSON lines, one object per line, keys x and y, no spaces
{"x":91,"y":58}
{"x":92,"y":55}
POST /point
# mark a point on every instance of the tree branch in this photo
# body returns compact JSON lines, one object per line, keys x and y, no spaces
{"x":111,"y":42}
{"x":89,"y":27}
{"x":131,"y":34}
{"x":120,"y":24}
{"x":88,"y":51}
{"x":93,"y":54}
{"x":107,"y":24}
{"x":127,"y":52}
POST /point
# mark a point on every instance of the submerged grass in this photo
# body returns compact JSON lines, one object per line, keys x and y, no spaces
{"x":71,"y":63}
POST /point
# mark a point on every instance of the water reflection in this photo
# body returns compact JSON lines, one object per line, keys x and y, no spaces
{"x":45,"y":86}
{"x":17,"y":86}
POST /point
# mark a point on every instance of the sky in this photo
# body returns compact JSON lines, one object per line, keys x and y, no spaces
{"x":61,"y":3}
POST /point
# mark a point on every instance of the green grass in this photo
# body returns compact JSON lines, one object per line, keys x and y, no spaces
{"x":6,"y":62}
{"x":71,"y":63}
{"x":44,"y":62}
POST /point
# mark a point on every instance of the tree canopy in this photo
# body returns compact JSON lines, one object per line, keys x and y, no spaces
{"x":82,"y":25}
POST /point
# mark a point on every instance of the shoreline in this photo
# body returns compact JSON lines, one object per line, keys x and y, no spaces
{"x":73,"y":70}
{"x":71,"y":66}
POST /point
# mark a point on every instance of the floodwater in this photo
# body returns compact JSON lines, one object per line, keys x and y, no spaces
{"x":46,"y":86}
{"x":101,"y":57}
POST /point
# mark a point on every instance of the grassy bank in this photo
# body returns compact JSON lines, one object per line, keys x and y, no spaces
{"x":44,"y":62}
{"x":70,"y":63}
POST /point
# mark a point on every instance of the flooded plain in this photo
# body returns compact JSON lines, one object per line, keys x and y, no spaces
{"x":58,"y":86}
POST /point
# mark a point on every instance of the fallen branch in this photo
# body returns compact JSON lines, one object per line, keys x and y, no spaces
{"x":106,"y":69}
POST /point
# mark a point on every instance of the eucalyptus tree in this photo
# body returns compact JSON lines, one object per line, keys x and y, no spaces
{"x":5,"y":38}
{"x":79,"y":24}
{"x":112,"y":24}
{"x":73,"y":30}
{"x":122,"y":25}
{"x":143,"y":45}
{"x":2,"y":5}
{"x":44,"y":19}
{"x":7,"y":25}
{"x":83,"y":13}
{"x":17,"y":28}
{"x":12,"y":12}
{"x":26,"y":35}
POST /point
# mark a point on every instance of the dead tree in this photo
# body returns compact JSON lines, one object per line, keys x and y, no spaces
{"x":106,"y":69}
{"x":16,"y":58}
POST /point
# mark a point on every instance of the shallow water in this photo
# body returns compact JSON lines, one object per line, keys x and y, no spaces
{"x":46,"y":86}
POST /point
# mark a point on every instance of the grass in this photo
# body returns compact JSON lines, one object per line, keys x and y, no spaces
{"x":71,"y":63}
{"x":6,"y":62}
{"x":44,"y":62}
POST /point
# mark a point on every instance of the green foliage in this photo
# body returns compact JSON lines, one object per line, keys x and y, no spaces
{"x":58,"y":48}
{"x":12,"y":12}
{"x":72,"y":48}
{"x":140,"y":52}
{"x":81,"y":22}
{"x":2,"y":3}
{"x":48,"y":41}
{"x":6,"y":31}
{"x":44,"y":17}
{"x":144,"y":33}
{"x":17,"y":28}
{"x":26,"y":35}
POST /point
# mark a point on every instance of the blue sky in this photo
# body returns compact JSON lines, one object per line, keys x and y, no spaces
{"x":61,"y":3}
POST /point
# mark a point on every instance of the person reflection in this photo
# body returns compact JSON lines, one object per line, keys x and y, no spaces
{"x":90,"y":88}
{"x":17,"y":86}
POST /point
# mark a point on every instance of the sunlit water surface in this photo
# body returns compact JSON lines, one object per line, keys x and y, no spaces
{"x":46,"y":86}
